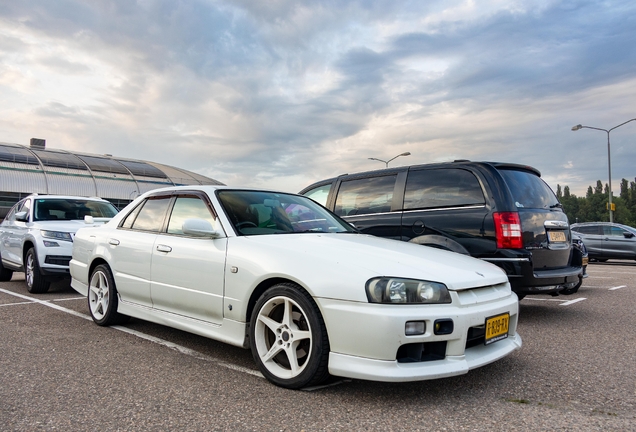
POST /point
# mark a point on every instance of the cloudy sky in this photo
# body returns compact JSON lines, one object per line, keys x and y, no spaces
{"x":283,"y":93}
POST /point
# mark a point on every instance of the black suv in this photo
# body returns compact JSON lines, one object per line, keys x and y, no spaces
{"x":500,"y":212}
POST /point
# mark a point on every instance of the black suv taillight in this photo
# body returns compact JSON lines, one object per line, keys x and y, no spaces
{"x":508,"y":230}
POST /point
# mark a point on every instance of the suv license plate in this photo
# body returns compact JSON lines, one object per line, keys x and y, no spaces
{"x":496,"y":328}
{"x":556,"y":236}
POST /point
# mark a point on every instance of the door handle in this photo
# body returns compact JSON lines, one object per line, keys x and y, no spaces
{"x":164,"y":248}
{"x":114,"y":242}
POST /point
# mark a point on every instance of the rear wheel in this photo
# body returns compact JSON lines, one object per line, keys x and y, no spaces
{"x":102,"y":298}
{"x":288,"y":338}
{"x":35,"y":281}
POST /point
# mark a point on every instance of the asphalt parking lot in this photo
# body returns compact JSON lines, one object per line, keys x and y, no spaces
{"x":59,"y":371}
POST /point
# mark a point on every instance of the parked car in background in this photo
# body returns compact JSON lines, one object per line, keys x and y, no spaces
{"x":36,"y":237}
{"x":605,"y":240}
{"x":499,"y":212}
{"x":299,"y":286}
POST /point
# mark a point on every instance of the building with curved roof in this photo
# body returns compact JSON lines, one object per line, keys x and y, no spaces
{"x":35,"y":169}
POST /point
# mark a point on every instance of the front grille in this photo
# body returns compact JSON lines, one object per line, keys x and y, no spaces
{"x":476,"y":336}
{"x":421,"y":352}
{"x":61,"y":260}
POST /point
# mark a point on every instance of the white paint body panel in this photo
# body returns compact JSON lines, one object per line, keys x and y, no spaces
{"x":205,"y":286}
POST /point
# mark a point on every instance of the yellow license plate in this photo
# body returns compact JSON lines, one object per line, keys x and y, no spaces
{"x":497,"y":328}
{"x":556,"y":236}
{"x":585,"y":260}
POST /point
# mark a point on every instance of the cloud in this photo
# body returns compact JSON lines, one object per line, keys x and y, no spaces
{"x":284,"y":93}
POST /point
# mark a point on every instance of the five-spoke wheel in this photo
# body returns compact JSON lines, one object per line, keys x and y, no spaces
{"x":102,"y":297}
{"x":288,"y":337}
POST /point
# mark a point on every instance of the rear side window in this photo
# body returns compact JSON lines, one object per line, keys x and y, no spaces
{"x":442,"y":188}
{"x":365,"y":196}
{"x":589,"y":229}
{"x":528,"y":190}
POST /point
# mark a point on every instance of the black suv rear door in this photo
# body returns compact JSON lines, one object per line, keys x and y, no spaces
{"x":446,"y":207}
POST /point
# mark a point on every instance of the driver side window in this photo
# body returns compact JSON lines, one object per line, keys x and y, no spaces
{"x":188,"y":207}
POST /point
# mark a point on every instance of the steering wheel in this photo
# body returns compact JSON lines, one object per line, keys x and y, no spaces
{"x":246,"y":224}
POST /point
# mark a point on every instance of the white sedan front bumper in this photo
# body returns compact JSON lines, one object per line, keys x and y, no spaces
{"x":365,"y":338}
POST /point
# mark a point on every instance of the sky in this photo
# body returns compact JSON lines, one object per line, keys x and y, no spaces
{"x":281,"y":94}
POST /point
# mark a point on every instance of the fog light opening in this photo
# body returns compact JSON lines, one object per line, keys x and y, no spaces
{"x":413,"y":328}
{"x":443,"y":326}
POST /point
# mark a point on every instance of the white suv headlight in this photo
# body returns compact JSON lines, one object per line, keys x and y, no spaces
{"x":406,"y":291}
{"x":57,"y":235}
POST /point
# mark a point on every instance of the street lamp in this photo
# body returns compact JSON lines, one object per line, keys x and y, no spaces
{"x":387,"y":162}
{"x":609,"y":162}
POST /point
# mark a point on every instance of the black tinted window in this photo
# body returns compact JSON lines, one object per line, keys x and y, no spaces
{"x":151,"y":215}
{"x":364,"y":196}
{"x":589,"y":229}
{"x":442,"y":188}
{"x":528,"y":190}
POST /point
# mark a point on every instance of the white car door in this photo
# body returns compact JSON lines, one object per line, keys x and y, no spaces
{"x":13,"y":234}
{"x":188,"y":272}
{"x":131,"y":247}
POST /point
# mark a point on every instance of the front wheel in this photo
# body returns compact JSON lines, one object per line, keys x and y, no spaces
{"x":35,"y":281}
{"x":288,"y":338}
{"x":102,"y":298}
{"x":5,"y":273}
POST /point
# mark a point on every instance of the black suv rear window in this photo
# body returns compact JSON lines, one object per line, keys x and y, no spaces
{"x":529,"y":190}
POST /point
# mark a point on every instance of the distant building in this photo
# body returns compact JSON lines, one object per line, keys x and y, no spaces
{"x":35,"y":169}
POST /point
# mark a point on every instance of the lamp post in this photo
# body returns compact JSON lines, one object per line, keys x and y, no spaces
{"x":609,"y":161}
{"x":387,"y":162}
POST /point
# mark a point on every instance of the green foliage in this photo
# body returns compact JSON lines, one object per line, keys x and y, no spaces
{"x":593,"y":207}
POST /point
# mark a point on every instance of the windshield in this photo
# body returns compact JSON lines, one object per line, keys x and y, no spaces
{"x":529,"y":190}
{"x":259,"y":213}
{"x":71,"y":209}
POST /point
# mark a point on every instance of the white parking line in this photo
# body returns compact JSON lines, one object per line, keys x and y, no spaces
{"x":171,"y":345}
{"x":617,"y":287}
{"x":563,"y":302}
{"x":568,"y":303}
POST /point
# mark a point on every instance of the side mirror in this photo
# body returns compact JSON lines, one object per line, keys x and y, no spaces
{"x":628,"y":234}
{"x":22,"y":216}
{"x":199,"y":228}
{"x":89,"y":220}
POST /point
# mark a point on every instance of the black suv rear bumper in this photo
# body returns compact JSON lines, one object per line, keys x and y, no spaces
{"x":524,"y":279}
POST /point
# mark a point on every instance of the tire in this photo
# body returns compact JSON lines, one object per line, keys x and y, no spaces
{"x":5,"y":273}
{"x":35,"y":281}
{"x":102,"y":298}
{"x":288,"y":338}
{"x":574,"y":289}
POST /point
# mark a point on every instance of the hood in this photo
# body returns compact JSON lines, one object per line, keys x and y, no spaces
{"x":375,"y":256}
{"x":70,"y":226}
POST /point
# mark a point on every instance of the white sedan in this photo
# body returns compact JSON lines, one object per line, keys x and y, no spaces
{"x":281,"y":275}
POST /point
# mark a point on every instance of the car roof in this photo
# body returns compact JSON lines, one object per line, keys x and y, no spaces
{"x":457,"y":162}
{"x":69,"y":197}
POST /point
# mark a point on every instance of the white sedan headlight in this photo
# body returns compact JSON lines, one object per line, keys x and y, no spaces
{"x":406,"y":291}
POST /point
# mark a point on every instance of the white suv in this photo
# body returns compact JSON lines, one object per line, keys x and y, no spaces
{"x":37,"y":236}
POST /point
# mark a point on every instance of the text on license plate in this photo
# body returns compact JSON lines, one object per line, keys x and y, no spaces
{"x":556,"y":236}
{"x":497,"y":328}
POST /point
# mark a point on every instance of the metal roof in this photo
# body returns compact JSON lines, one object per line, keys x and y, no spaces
{"x":26,"y":170}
